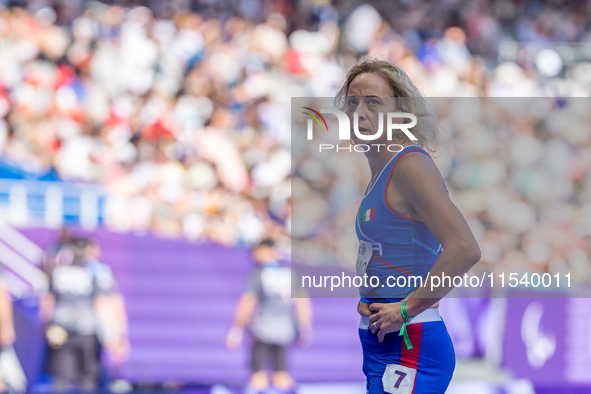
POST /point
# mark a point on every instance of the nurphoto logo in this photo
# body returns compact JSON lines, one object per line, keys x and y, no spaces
{"x":344,"y":124}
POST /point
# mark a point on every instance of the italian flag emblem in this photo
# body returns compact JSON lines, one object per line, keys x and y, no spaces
{"x":368,"y":215}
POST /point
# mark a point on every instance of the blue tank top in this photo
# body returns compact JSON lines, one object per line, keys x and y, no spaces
{"x":391,"y":244}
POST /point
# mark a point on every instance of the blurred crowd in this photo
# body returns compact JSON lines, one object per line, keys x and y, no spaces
{"x":520,"y":171}
{"x":182,"y":110}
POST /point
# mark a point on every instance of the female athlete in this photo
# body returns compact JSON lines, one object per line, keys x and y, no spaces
{"x":407,"y":227}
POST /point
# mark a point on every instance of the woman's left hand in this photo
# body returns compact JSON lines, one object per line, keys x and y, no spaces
{"x":385,"y":318}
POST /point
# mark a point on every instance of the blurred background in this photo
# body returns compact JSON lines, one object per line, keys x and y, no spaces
{"x":145,"y":151}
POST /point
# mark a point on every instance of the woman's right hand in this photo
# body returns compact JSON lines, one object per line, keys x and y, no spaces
{"x":363,"y":309}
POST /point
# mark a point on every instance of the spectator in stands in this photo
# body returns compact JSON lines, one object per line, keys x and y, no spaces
{"x":268,"y":310}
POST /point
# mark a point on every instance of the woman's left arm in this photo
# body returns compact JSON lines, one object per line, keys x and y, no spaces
{"x":425,"y":194}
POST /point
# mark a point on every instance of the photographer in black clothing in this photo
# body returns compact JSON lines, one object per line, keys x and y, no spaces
{"x":70,"y":309}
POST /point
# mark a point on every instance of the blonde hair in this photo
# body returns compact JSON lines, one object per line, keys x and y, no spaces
{"x":406,"y":95}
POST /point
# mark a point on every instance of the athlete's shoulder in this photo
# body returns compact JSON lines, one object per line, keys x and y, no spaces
{"x":413,"y":161}
{"x":419,"y":174}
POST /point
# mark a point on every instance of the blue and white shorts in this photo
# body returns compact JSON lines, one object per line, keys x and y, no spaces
{"x":426,"y":368}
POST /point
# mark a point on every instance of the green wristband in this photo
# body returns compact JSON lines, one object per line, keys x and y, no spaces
{"x":403,"y":331}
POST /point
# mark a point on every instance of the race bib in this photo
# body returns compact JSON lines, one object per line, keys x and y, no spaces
{"x":399,"y":379}
{"x":363,"y":256}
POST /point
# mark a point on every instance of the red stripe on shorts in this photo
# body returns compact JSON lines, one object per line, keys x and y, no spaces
{"x":410,"y":357}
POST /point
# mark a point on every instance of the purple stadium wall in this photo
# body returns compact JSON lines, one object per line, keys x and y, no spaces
{"x":180,"y":299}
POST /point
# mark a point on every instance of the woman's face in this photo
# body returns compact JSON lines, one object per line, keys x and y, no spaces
{"x":369,"y":95}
